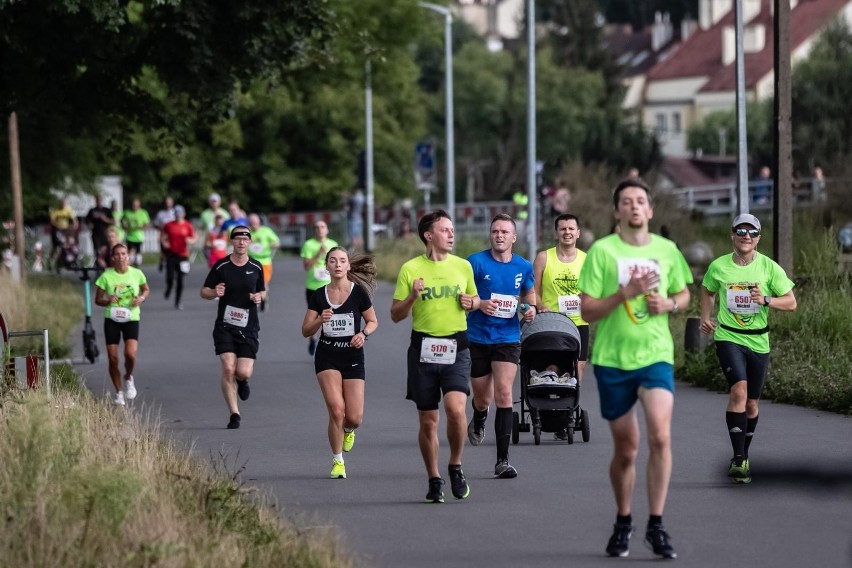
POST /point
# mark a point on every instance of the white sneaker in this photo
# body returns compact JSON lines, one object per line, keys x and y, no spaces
{"x":119,"y":398}
{"x":130,"y":388}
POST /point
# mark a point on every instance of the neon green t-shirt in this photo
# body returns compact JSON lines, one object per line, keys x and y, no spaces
{"x":126,"y":286}
{"x":437,"y":311}
{"x":134,"y":222}
{"x":560,"y":280}
{"x":629,"y":338}
{"x":732,"y":283}
{"x":317,"y":275}
{"x":262,"y":240}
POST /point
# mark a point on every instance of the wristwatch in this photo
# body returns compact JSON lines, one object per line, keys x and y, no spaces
{"x":767,"y":300}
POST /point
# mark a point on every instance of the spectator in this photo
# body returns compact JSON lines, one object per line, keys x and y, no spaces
{"x":63,"y":222}
{"x":818,"y":185}
{"x":762,"y":187}
{"x":99,"y":219}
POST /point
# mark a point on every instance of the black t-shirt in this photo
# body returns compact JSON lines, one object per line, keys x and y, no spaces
{"x":349,"y":311}
{"x":97,"y":217}
{"x":236,"y":311}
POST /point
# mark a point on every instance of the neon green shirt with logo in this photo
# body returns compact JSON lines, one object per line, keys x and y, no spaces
{"x":262,"y":240}
{"x":629,"y":337}
{"x":732,"y":283}
{"x":134,"y":222}
{"x":437,"y":311}
{"x":317,"y":275}
{"x":560,"y":282}
{"x":124,"y":285}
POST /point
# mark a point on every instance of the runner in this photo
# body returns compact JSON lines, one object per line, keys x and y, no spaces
{"x":216,"y":242}
{"x":237,"y":282}
{"x":163,"y":216}
{"x":557,"y":273}
{"x":495,"y":335}
{"x":336,"y":311}
{"x":630,"y":282}
{"x":313,"y":256}
{"x":121,"y":290}
{"x":134,"y":222}
{"x":264,"y":243}
{"x":436,"y":289}
{"x":104,"y":258}
{"x":176,"y":237}
{"x":752,"y":284}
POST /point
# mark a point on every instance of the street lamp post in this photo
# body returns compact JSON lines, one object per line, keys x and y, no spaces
{"x":532,"y":193}
{"x":368,"y":158}
{"x":448,"y":69}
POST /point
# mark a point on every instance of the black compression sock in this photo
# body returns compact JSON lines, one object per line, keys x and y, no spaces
{"x":503,"y":431}
{"x":479,"y":416}
{"x":751,"y":425}
{"x":736,"y":422}
{"x":624,"y":519}
{"x":655,"y":520}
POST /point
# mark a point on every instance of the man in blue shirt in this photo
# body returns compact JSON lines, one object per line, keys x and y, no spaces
{"x":504,"y":282}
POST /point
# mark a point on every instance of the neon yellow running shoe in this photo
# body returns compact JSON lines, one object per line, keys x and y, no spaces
{"x":740,"y":470}
{"x":338,"y":469}
{"x":348,"y":440}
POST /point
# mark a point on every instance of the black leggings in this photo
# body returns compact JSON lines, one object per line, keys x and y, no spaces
{"x":173,"y":269}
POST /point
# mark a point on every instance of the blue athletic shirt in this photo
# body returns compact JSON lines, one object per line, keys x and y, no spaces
{"x":514,"y":278}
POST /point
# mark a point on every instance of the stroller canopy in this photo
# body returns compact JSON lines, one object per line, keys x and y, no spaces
{"x":550,"y":331}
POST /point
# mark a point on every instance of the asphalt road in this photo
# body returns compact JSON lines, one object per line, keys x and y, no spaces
{"x":558,"y":511}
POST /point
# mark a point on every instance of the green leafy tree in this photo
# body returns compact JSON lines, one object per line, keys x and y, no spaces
{"x":704,"y":136}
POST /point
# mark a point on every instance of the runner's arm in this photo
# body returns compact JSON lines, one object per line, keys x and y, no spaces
{"x":539,"y":264}
{"x":708,"y":298}
{"x":311,"y":323}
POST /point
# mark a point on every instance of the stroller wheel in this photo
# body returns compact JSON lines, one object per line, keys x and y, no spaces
{"x":537,"y":435}
{"x":585,"y":420}
{"x":569,"y":434}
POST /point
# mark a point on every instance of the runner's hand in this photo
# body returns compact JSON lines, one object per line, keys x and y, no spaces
{"x":707,"y":326}
{"x":756,"y":294}
{"x":656,"y":303}
{"x":417,"y":287}
{"x":327,"y":314}
{"x":220,"y":289}
{"x":466,"y":302}
{"x":488,"y":307}
{"x":638,"y":285}
{"x":256,"y":297}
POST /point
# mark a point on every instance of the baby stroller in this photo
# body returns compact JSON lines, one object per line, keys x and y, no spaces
{"x":550,"y":393}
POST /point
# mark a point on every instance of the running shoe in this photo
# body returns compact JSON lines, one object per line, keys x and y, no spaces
{"x":348,"y":440}
{"x":119,"y":398}
{"x":130,"y":388}
{"x":504,"y":470}
{"x":740,"y":470}
{"x":235,"y":422}
{"x":657,"y":539}
{"x":338,"y":469}
{"x":458,"y":483}
{"x":619,"y":542}
{"x":475,"y":432}
{"x":436,"y":491}
{"x":243,"y":389}
{"x":312,"y":346}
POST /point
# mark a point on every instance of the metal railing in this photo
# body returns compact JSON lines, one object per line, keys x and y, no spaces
{"x":721,"y":199}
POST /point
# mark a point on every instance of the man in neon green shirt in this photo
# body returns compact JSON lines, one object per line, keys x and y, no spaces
{"x":749,"y":285}
{"x":557,"y":278}
{"x":630,"y":282}
{"x":313,"y":259}
{"x":264,"y":243}
{"x":134,"y":222}
{"x":438,"y":289}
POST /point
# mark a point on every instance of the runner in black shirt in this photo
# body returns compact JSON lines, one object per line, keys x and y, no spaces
{"x":237,"y":281}
{"x":337,"y":309}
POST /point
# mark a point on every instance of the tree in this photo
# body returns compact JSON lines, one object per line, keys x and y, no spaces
{"x":73,"y":69}
{"x":704,"y":136}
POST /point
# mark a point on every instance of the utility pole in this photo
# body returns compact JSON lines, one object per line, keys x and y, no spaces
{"x":368,"y":158}
{"x":532,"y":189}
{"x":782,"y":159}
{"x":742,"y":146}
{"x":17,"y":196}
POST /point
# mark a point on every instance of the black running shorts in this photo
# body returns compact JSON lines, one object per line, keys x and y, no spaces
{"x":482,"y":355}
{"x":113,"y":331}
{"x":227,"y":340}
{"x":739,"y":363}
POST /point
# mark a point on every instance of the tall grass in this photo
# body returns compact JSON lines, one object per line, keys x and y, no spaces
{"x":85,"y":484}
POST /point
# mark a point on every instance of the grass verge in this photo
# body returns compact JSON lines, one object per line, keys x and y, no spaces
{"x":83,"y":483}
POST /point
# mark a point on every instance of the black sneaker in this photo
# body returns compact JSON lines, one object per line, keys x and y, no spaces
{"x":619,"y":542}
{"x":504,"y":470}
{"x":458,"y":483}
{"x":436,"y":491}
{"x":475,"y":432}
{"x":235,"y":422}
{"x":243,"y":389}
{"x":657,"y":539}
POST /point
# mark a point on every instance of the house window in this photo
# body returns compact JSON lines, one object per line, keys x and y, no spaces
{"x":676,"y":126}
{"x":662,"y":123}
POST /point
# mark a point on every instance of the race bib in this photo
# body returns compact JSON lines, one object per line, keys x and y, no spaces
{"x":256,"y":248}
{"x":184,"y":266}
{"x":236,"y":316}
{"x":340,"y":325}
{"x":320,"y":273}
{"x":507,"y":306}
{"x":569,"y":305}
{"x":627,"y":267}
{"x":119,"y":315}
{"x":440,"y":351}
{"x":739,"y":299}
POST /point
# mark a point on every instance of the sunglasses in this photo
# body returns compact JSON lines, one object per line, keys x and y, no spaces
{"x":753,"y":233}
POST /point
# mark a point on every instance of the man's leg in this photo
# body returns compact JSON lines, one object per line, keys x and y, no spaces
{"x":503,"y":373}
{"x":227,"y":384}
{"x":428,"y":440}
{"x":622,"y":468}
{"x":658,"y":404}
{"x":454,"y":403}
